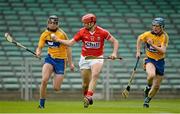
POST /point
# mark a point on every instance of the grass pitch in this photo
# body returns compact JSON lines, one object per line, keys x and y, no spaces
{"x":123,"y":106}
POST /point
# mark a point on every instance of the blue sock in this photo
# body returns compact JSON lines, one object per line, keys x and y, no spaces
{"x":42,"y":102}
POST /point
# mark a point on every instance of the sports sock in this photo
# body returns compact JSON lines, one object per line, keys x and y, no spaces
{"x":149,"y":86}
{"x":89,"y":93}
{"x":42,"y":102}
{"x":147,"y":100}
{"x":85,"y":93}
{"x":147,"y":89}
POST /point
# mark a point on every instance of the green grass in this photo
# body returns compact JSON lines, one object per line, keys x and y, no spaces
{"x":123,"y":106}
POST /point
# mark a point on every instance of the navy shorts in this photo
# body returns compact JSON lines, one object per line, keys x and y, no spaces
{"x":159,"y":65}
{"x":58,"y":64}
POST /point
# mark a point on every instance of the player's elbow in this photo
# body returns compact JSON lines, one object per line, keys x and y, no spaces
{"x":163,"y":51}
{"x":115,"y":42}
{"x":139,"y":41}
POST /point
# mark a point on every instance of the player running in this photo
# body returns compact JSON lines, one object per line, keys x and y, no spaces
{"x":92,"y":37}
{"x":156,"y":42}
{"x":56,"y":58}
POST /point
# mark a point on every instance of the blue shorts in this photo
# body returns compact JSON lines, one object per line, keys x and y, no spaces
{"x":159,"y":65}
{"x":58,"y":64}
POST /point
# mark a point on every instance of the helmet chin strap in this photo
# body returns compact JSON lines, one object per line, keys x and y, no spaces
{"x":52,"y":30}
{"x":158,"y":34}
{"x":91,"y":26}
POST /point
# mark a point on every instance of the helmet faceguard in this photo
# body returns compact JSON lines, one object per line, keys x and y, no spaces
{"x":53,"y":19}
{"x":52,"y":23}
{"x":159,"y":21}
{"x":88,"y":18}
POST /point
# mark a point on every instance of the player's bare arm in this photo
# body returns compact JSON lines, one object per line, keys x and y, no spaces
{"x":38,"y":51}
{"x":69,"y":55}
{"x":115,"y":44}
{"x":138,"y":47}
{"x":65,"y":42}
{"x":161,"y":49}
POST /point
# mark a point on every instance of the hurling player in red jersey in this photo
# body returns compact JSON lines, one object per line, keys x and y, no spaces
{"x":93,"y":38}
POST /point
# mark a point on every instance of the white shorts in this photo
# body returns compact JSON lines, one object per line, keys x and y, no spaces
{"x":86,"y":64}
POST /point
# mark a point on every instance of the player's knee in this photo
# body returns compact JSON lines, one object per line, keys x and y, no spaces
{"x":156,"y":87}
{"x":95,"y":76}
{"x":151,"y":75}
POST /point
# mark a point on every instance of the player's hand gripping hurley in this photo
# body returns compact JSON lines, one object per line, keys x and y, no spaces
{"x":10,"y":39}
{"x":125,"y":93}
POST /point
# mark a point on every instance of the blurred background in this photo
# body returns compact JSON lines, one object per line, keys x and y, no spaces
{"x":20,"y":73}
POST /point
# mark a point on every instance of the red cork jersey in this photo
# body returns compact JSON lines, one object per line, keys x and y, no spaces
{"x":92,"y":42}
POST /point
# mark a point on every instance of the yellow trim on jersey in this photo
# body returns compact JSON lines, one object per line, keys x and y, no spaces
{"x":55,"y":49}
{"x":163,"y":39}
